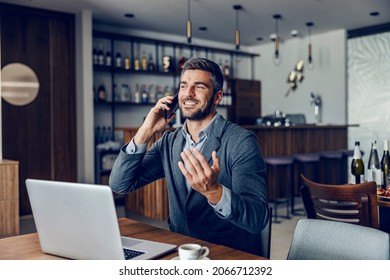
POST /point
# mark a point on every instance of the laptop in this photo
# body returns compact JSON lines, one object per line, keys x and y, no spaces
{"x":79,"y":221}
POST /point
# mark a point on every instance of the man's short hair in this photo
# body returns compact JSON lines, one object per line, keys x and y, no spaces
{"x":204,"y":64}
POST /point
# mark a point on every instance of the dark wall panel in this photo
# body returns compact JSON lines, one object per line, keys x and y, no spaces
{"x":41,"y":135}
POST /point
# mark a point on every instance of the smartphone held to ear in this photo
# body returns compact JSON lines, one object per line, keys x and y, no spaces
{"x":172,"y":107}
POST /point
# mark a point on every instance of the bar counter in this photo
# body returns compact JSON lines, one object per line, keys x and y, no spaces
{"x":152,"y":201}
{"x":282,"y":141}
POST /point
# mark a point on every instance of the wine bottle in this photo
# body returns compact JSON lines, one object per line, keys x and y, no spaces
{"x":151,"y":65}
{"x":373,"y":167}
{"x":137,"y":64}
{"x":101,"y":93}
{"x":108,"y":58}
{"x":100,"y":55}
{"x":226,"y":70}
{"x":385,"y":163}
{"x":137,"y":94}
{"x":357,"y":165}
{"x":127,"y":63}
{"x":118,"y":59}
{"x":144,"y":62}
{"x":144,"y":95}
{"x":95,"y":56}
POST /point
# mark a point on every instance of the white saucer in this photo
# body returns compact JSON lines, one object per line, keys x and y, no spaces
{"x":177,"y":258}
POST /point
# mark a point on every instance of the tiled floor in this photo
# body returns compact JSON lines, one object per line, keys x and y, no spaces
{"x":280,"y":238}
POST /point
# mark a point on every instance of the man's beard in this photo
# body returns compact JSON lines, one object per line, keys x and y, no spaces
{"x":200,"y":114}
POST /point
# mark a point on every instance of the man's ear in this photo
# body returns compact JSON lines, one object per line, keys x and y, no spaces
{"x":218,"y":97}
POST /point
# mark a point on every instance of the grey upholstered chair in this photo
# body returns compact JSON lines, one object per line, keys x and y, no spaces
{"x":328,"y":240}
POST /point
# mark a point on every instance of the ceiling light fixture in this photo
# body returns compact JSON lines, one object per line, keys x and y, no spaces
{"x":310,"y":49}
{"x":129,"y":15}
{"x":237,"y":33}
{"x":276,"y":37}
{"x":294,"y":33}
{"x":189,"y":28}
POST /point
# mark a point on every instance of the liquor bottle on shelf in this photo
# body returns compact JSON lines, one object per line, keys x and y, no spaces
{"x":357,"y":165}
{"x":373,"y":166}
{"x":144,"y":95}
{"x":95,"y":56}
{"x":118,"y":60}
{"x":144,"y":61}
{"x":151,"y":65}
{"x":108,"y":60}
{"x":137,"y":63}
{"x":137,"y":94}
{"x":226,"y":70}
{"x":102,"y":93}
{"x":385,"y":163}
{"x":100,"y":55}
{"x":127,"y":63}
{"x":125,"y":93}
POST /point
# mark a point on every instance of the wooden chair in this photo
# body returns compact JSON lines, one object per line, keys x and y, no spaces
{"x":356,"y":204}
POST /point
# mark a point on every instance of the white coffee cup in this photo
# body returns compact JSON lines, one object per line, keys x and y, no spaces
{"x":192,"y":251}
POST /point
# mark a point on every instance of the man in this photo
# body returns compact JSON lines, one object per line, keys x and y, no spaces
{"x":214,"y":169}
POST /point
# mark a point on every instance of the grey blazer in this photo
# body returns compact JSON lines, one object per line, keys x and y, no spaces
{"x":243,"y":171}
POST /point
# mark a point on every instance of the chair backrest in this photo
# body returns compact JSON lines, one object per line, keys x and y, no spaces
{"x":329,"y":240}
{"x":356,"y":204}
{"x":265,"y":237}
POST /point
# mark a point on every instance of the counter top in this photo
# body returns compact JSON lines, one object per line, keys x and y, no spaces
{"x":307,"y":126}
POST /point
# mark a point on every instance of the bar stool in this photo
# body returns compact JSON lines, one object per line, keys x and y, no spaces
{"x":332,"y":168}
{"x":279,"y":181}
{"x":308,"y":165}
{"x":346,"y":155}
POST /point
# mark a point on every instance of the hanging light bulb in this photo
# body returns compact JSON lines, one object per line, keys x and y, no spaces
{"x":237,"y":33}
{"x":189,"y":27}
{"x":276,"y":37}
{"x":309,"y":48}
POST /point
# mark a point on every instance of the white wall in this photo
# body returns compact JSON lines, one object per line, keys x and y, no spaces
{"x":326,"y":77}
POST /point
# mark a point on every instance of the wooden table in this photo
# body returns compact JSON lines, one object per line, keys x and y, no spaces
{"x":26,"y":247}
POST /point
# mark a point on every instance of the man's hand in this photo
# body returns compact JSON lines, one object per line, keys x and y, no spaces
{"x":202,"y":177}
{"x":154,"y":121}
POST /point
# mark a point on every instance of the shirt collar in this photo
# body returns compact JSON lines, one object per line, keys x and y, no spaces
{"x":205,"y":132}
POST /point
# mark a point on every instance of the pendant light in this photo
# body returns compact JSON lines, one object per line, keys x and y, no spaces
{"x":309,"y":48}
{"x":189,"y":27}
{"x":237,"y":33}
{"x":276,"y":38}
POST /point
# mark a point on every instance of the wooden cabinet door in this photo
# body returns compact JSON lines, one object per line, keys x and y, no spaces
{"x":247,"y":102}
{"x":42,"y":134}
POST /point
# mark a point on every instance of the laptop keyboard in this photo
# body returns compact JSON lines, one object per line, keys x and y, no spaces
{"x":131,"y":254}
